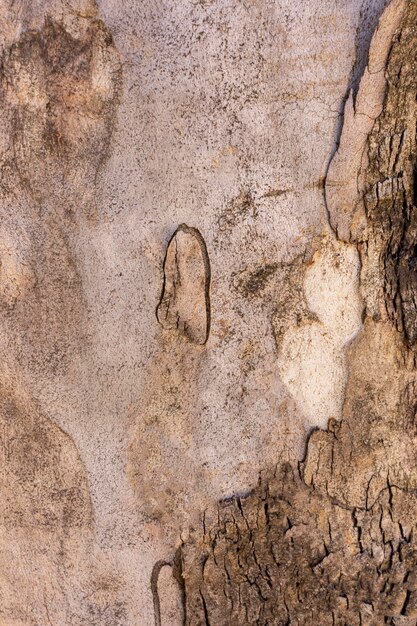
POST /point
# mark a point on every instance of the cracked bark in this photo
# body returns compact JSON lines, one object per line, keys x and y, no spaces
{"x":333,"y":541}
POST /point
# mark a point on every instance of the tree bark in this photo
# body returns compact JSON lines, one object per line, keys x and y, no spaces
{"x":333,"y":541}
{"x":208,"y":319}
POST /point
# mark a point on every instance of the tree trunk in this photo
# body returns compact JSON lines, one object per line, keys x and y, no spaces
{"x":208,"y":245}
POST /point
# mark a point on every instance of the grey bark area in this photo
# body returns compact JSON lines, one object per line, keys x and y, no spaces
{"x":333,"y":541}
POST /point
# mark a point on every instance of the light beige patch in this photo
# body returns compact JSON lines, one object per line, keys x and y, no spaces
{"x":312,"y":354}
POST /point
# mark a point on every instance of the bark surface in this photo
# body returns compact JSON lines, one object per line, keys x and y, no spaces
{"x":333,"y":541}
{"x":191,"y":286}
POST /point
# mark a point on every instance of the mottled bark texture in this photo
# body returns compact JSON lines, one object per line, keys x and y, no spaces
{"x":334,"y":541}
{"x":58,"y":93}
